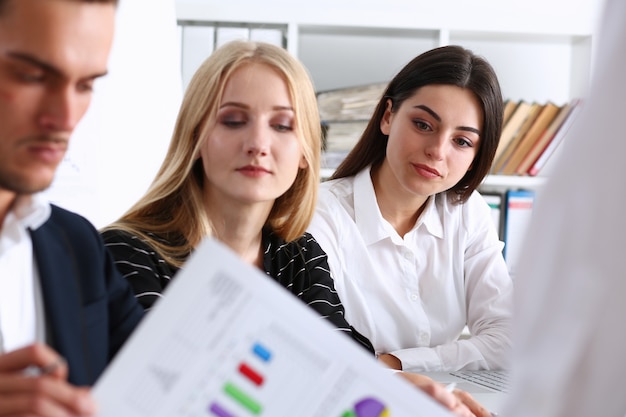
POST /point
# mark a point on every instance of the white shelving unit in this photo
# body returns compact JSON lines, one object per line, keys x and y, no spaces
{"x":541,"y":49}
{"x":491,"y":182}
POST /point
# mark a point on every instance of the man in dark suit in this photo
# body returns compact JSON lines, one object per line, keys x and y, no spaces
{"x":64,"y":308}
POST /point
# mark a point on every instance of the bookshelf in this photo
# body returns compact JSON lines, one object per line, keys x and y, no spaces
{"x":542,"y":51}
{"x":508,"y":181}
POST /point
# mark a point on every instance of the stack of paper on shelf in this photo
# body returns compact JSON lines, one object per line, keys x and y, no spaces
{"x":352,"y":103}
{"x":339,"y":137}
{"x":345,"y":113}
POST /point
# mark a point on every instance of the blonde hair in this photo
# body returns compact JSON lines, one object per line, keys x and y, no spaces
{"x":171,"y":215}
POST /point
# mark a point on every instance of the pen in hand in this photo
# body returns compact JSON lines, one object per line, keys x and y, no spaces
{"x":37,"y":371}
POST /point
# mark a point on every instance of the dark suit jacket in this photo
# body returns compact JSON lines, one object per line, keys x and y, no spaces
{"x":89,"y":307}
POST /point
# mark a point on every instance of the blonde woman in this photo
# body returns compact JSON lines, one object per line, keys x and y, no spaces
{"x":242,"y":166}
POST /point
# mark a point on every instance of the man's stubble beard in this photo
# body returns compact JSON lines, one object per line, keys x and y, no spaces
{"x":20,"y":184}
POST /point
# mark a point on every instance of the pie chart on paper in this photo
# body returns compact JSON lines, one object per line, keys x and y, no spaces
{"x":368,"y":407}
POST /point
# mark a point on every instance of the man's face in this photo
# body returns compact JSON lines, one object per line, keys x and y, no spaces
{"x":50,"y":54}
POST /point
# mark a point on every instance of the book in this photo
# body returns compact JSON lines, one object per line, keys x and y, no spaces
{"x":543,"y":140}
{"x":518,"y":211}
{"x":227,"y":340}
{"x":512,"y":126}
{"x":546,"y":115}
{"x":495,"y":201}
{"x":509,"y":106}
{"x":556,"y":140}
{"x":512,"y":146}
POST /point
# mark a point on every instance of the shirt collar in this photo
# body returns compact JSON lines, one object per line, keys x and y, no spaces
{"x":370,"y":221}
{"x":431,"y":217}
{"x":31,"y":210}
{"x":367,"y":214}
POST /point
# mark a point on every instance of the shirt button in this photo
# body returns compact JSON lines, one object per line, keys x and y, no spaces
{"x":423,"y":339}
{"x":414,"y":297}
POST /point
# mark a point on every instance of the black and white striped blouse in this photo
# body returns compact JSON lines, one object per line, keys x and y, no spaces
{"x":300,"y":266}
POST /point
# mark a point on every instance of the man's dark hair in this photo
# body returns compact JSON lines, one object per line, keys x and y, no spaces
{"x":4,"y":4}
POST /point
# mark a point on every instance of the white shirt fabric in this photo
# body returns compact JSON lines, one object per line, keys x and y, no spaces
{"x":412,"y":296}
{"x":21,"y":305}
{"x":569,"y":334}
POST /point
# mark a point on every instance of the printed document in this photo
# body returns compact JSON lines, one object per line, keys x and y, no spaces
{"x":228,"y":341}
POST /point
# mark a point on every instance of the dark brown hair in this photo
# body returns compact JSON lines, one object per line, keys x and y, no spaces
{"x":446,"y":65}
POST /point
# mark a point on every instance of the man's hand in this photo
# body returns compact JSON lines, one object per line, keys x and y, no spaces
{"x":33,"y":382}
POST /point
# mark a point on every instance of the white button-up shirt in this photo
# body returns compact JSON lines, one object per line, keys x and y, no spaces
{"x":412,"y":296}
{"x":21,"y":306}
{"x":570,"y":340}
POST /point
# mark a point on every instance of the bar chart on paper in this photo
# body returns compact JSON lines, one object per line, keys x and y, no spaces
{"x":225,"y":342}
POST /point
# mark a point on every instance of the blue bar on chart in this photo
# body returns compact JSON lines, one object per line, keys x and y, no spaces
{"x":262,"y":352}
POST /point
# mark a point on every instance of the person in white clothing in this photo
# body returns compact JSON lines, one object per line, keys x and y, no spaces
{"x":568,"y":333}
{"x":410,"y":242}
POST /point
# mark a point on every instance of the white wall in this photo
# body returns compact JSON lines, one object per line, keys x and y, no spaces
{"x":539,"y":48}
{"x":541,"y":16}
{"x":119,"y":145}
